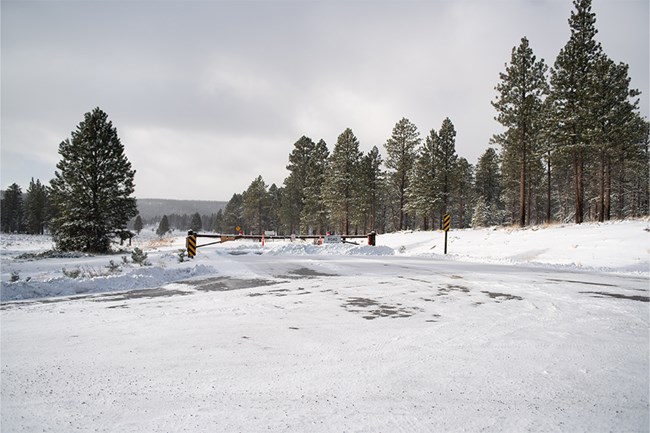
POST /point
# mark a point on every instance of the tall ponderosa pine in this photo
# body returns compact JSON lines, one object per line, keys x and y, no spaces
{"x":371,"y":185}
{"x":36,"y":207}
{"x":256,"y":205}
{"x":445,"y":161}
{"x":340,"y":189}
{"x":92,"y":187}
{"x":293,"y":199}
{"x":314,"y":213}
{"x":275,"y":208}
{"x":616,"y":125}
{"x":572,"y":96}
{"x":422,"y":189}
{"x":521,"y":92}
{"x":401,"y":151}
{"x":12,"y":210}
{"x":463,"y":186}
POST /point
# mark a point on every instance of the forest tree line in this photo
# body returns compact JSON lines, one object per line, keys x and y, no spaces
{"x":573,"y":147}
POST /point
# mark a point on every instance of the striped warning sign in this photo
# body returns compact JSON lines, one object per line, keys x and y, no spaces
{"x":191,"y":246}
{"x":446,"y":222}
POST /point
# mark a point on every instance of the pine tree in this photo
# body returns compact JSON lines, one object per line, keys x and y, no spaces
{"x":370,"y":187}
{"x":445,"y":162}
{"x":340,"y":190}
{"x":275,"y":209}
{"x":422,"y":190}
{"x":571,"y":96}
{"x":137,"y":224}
{"x":481,"y":216}
{"x":36,"y":207}
{"x":314,"y":212}
{"x":401,"y":150}
{"x":463,"y":190}
{"x":487,"y":183}
{"x":233,"y":213}
{"x":256,"y":205}
{"x":217,"y":223}
{"x":12,"y":210}
{"x":616,"y":124}
{"x":163,"y":226}
{"x":295,"y":183}
{"x":197,"y":224}
{"x":92,"y":188}
{"x":521,"y":92}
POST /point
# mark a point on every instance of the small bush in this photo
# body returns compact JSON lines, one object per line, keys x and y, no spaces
{"x":181,"y":255}
{"x":73,"y":273}
{"x":113,"y":267}
{"x":15,"y":276}
{"x":139,"y":257}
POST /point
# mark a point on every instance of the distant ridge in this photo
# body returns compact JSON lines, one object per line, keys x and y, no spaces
{"x":157,"y":207}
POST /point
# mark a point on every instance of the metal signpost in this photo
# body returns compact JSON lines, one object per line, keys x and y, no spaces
{"x":446,"y":224}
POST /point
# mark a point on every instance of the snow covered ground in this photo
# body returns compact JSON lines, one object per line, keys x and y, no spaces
{"x":540,"y":329}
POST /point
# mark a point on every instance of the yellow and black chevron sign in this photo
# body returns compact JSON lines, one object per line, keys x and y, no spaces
{"x":446,"y":222}
{"x":191,"y":246}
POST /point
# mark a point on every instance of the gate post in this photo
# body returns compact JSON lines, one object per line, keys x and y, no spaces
{"x":372,"y":238}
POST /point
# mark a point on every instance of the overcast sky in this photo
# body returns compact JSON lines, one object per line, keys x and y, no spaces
{"x":208,"y":95}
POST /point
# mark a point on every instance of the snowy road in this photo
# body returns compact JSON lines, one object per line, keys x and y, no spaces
{"x":333,"y":344}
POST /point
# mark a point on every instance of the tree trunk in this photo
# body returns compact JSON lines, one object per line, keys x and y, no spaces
{"x":608,"y":189}
{"x":522,"y":181}
{"x":601,"y":188}
{"x":548,"y":190}
{"x":578,"y":182}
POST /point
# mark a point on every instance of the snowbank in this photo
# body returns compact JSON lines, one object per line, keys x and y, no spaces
{"x":622,"y":246}
{"x":617,"y":246}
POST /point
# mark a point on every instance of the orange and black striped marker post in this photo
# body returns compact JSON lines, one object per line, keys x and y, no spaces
{"x":446,"y":224}
{"x":190,"y":242}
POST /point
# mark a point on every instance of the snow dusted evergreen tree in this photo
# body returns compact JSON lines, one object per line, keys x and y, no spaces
{"x":482,"y":214}
{"x":463,"y":191}
{"x":519,"y":106}
{"x":314,"y":212}
{"x":233,"y":213}
{"x":12,"y":210}
{"x":217,"y":222}
{"x":163,"y":226}
{"x":487,"y":184}
{"x":293,"y":199}
{"x":275,"y":208}
{"x":401,"y":151}
{"x":196,"y":224}
{"x":423,"y":199}
{"x":92,"y":187}
{"x":445,"y":161}
{"x":371,"y":186}
{"x":137,"y":224}
{"x":341,"y":191}
{"x":572,"y":97}
{"x":256,"y":205}
{"x":617,"y":128}
{"x":36,"y":207}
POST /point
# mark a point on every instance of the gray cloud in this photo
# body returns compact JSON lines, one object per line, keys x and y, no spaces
{"x":207,"y":95}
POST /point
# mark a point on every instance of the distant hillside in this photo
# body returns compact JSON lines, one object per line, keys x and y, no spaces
{"x":154,"y":207}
